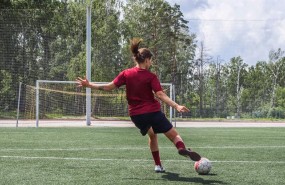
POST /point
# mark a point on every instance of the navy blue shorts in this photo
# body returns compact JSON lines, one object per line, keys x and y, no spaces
{"x":156,"y":120}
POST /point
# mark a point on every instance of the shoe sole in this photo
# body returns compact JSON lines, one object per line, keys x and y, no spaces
{"x":193,"y":155}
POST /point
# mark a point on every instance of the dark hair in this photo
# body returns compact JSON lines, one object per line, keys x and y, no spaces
{"x":139,"y":54}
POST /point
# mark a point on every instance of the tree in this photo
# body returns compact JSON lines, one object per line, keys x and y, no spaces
{"x":106,"y":38}
{"x":237,"y":76}
{"x":276,"y":61}
{"x":215,"y":86}
{"x":256,"y":84}
{"x":164,"y":31}
{"x":200,"y":64}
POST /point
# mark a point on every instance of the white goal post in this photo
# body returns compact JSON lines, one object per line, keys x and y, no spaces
{"x":64,"y":100}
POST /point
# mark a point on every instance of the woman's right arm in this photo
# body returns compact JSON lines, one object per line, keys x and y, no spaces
{"x":83,"y":82}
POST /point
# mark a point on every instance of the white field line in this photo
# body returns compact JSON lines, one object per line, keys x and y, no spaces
{"x":132,"y":148}
{"x":128,"y":160}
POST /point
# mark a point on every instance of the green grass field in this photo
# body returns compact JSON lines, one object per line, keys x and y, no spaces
{"x":121,"y":156}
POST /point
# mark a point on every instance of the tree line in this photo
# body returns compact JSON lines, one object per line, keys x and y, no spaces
{"x":47,"y":40}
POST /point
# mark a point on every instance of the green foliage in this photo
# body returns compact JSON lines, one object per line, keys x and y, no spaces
{"x":278,"y":112}
{"x":106,"y":57}
{"x":5,"y":86}
{"x":47,"y":40}
{"x":280,"y":97}
{"x":77,"y":67}
{"x":164,"y":31}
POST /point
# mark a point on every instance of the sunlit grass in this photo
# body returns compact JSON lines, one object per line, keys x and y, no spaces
{"x":121,"y":156}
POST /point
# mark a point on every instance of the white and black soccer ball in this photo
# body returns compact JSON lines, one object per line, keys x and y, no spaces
{"x":203,"y":167}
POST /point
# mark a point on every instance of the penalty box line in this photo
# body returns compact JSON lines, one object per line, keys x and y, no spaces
{"x":130,"y":160}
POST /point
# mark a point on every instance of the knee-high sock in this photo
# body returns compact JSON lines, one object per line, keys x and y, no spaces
{"x":180,"y":145}
{"x":156,"y":157}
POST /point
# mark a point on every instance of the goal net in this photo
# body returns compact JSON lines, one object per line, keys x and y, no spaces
{"x":64,"y":100}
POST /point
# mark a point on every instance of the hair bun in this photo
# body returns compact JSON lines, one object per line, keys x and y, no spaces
{"x":139,"y":54}
{"x":135,"y":45}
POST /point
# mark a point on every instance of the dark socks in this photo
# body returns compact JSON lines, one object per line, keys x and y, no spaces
{"x":180,"y":145}
{"x":156,"y":158}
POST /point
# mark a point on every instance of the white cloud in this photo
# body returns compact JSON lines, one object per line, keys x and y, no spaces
{"x":230,"y":28}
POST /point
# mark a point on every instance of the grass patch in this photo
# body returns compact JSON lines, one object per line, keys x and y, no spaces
{"x":121,"y":156}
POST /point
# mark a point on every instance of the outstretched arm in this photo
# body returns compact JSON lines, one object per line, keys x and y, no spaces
{"x":163,"y":97}
{"x":83,"y":82}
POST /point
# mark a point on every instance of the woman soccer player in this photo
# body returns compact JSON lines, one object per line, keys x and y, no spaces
{"x":144,"y":109}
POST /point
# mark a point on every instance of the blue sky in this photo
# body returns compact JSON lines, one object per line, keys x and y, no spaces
{"x":231,"y":28}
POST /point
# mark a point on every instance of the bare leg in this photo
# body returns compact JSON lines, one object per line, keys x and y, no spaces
{"x":153,"y":143}
{"x":173,"y":136}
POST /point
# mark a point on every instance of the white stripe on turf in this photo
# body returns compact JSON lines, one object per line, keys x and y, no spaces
{"x":134,"y":148}
{"x":130,"y":160}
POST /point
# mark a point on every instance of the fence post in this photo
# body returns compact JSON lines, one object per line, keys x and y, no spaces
{"x":19,"y":99}
{"x":37,"y":103}
{"x":88,"y":63}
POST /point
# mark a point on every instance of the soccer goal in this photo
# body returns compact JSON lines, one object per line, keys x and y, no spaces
{"x":64,"y":100}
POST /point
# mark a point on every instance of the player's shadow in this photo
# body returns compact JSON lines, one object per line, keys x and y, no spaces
{"x":176,"y":178}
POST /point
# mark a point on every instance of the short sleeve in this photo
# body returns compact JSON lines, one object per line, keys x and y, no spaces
{"x":155,"y":84}
{"x":120,"y":80}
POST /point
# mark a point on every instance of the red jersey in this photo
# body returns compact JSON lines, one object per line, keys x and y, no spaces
{"x":140,"y":85}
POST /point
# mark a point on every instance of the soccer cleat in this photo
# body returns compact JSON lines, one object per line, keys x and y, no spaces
{"x":159,"y":169}
{"x":188,"y":153}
